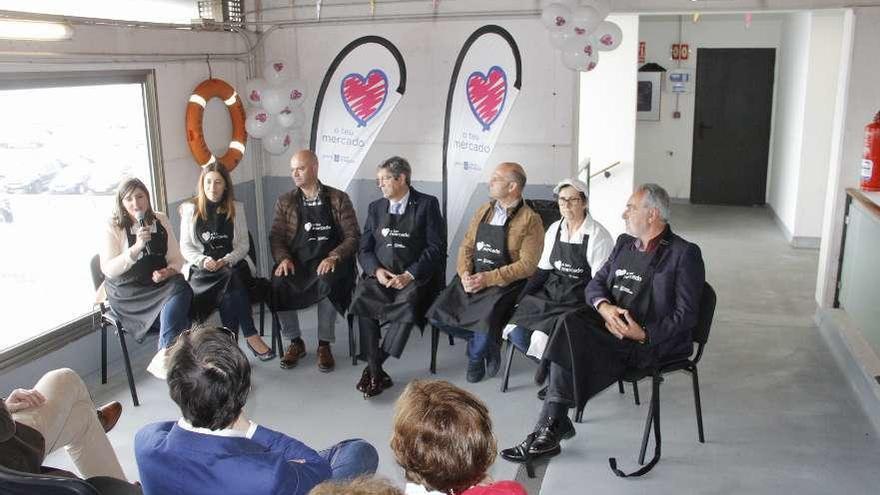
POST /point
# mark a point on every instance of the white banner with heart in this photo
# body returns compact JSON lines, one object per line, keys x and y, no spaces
{"x":362,"y":87}
{"x":485,"y":89}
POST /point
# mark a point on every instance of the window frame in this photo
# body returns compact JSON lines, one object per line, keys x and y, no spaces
{"x":58,"y":337}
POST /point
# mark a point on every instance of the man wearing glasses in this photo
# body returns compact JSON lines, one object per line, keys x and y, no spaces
{"x":499,"y":252}
{"x":575,"y":248}
{"x":403,"y":256}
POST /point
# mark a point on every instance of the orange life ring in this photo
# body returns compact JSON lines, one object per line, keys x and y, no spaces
{"x":195,"y":111}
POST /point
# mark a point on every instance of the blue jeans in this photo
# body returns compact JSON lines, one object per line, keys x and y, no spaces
{"x":521,"y":338}
{"x":235,"y":310}
{"x":478,"y":343}
{"x":351,"y":458}
{"x":174,"y":318}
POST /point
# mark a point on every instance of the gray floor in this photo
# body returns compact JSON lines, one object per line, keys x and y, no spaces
{"x":779,"y":415}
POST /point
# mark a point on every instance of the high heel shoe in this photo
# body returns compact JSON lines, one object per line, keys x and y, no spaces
{"x":266,"y":356}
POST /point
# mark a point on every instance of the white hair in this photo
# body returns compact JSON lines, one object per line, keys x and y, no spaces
{"x":655,"y":197}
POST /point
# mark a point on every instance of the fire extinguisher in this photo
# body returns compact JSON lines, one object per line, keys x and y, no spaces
{"x":871,"y":158}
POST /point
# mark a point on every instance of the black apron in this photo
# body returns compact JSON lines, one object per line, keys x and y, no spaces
{"x":316,"y":236}
{"x":399,"y":243}
{"x":216,"y":234}
{"x":488,"y":310}
{"x":563,"y":291}
{"x":134,"y":298}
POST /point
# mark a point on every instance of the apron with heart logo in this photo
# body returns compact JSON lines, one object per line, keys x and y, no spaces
{"x":317,"y":235}
{"x":488,"y":310}
{"x":399,"y":243}
{"x":216,"y":234}
{"x":563,"y":291}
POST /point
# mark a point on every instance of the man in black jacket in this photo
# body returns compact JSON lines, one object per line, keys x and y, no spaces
{"x":642,"y":307}
{"x":403,"y":255}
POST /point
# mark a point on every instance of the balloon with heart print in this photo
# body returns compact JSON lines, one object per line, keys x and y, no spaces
{"x":608,"y":36}
{"x":586,"y":18}
{"x":285,"y":118}
{"x":276,"y":72}
{"x":581,"y":29}
{"x":253,"y":92}
{"x":299,"y":118}
{"x":560,"y":39}
{"x":277,"y":141}
{"x":296,"y":93}
{"x":556,"y":17}
{"x":581,"y":60}
{"x":258,"y":122}
{"x":274,"y":99}
{"x":572,"y":4}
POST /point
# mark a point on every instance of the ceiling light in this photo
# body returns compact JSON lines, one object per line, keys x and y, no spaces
{"x":17,"y":29}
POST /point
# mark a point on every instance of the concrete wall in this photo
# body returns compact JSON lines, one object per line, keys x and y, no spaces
{"x":664,"y":149}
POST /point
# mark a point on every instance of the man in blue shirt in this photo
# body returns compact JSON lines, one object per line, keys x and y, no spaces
{"x":213,"y":448}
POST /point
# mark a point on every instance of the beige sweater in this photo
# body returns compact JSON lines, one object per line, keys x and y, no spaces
{"x":116,"y":256}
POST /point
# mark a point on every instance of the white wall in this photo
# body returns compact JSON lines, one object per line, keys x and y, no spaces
{"x":656,"y":140}
{"x":607,"y":125}
{"x":857,"y":99}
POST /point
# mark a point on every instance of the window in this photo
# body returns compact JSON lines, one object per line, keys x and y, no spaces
{"x":66,"y":141}
{"x":167,"y":11}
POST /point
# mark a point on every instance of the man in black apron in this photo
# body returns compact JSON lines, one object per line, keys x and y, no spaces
{"x":499,"y":252}
{"x":314,"y":238}
{"x":403,"y":255}
{"x":575,"y":247}
{"x":642,"y":306}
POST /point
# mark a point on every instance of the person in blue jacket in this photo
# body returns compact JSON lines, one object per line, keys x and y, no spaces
{"x":213,"y":448}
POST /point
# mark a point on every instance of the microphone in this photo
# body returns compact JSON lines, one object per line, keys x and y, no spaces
{"x":140,"y":218}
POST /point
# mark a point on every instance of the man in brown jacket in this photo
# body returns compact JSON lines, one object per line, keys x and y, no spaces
{"x":314,"y":240}
{"x":499,"y":252}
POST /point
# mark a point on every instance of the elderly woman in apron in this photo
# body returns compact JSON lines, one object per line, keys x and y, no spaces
{"x":141,"y":261}
{"x":214,"y":242}
{"x":575,"y":248}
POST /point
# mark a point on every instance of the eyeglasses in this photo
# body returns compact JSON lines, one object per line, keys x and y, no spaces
{"x":382,"y":180}
{"x":569,"y":201}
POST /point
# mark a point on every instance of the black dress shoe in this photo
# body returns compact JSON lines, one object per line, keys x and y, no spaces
{"x":264,"y":356}
{"x":520,"y":453}
{"x":542,"y":393}
{"x":493,"y":361}
{"x":548,"y":436}
{"x":476,"y":370}
{"x":364,"y":382}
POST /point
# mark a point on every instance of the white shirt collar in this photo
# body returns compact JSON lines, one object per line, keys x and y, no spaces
{"x":581,"y":230}
{"x":403,"y":201}
{"x":416,"y":489}
{"x":225,"y":432}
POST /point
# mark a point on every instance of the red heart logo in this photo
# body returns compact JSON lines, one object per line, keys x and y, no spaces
{"x":255,"y":95}
{"x":286,"y":140}
{"x":486,"y":94}
{"x":607,"y":40}
{"x":278,"y":66}
{"x":363,"y":97}
{"x":588,"y":50}
{"x":580,"y":31}
{"x":262,"y":117}
{"x":295,"y":94}
{"x":560,"y":21}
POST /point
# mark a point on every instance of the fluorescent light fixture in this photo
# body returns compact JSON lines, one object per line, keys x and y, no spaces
{"x":17,"y":29}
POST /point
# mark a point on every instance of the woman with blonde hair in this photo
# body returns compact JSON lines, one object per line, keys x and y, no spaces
{"x":442,"y":438}
{"x":141,"y":261}
{"x":214,"y":241}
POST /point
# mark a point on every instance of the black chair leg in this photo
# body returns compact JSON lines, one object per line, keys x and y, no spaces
{"x":620,"y":387}
{"x":509,"y":361}
{"x":698,"y":405}
{"x":262,"y":319}
{"x":636,"y":393}
{"x":351,"y":347}
{"x":653,"y":410}
{"x":103,"y":353}
{"x":277,"y":342}
{"x":451,"y":339}
{"x":435,"y":341}
{"x":127,"y":361}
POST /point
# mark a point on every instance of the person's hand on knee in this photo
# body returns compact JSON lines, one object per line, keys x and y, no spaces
{"x":21,"y":399}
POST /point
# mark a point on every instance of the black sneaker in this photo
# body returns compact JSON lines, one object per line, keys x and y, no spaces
{"x":476,"y":370}
{"x":493,"y":361}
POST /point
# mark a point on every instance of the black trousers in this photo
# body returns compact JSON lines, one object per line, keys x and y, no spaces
{"x":583,"y":351}
{"x":396,"y":337}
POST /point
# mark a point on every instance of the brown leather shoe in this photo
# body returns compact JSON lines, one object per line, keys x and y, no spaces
{"x":295,"y":351}
{"x":364,"y":382}
{"x":109,"y":414}
{"x":326,"y":363}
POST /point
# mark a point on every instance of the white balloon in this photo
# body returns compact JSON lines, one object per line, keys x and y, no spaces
{"x":556,"y":17}
{"x":277,"y":141}
{"x":608,"y":36}
{"x":274,"y":99}
{"x":276,"y":72}
{"x":299,"y":118}
{"x":296,"y":93}
{"x":285,"y":117}
{"x":603,"y":7}
{"x":253,"y":92}
{"x":258,"y":122}
{"x":559,"y":39}
{"x":581,"y":60}
{"x":585,"y":18}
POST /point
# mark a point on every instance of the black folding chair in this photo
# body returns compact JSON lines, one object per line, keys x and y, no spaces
{"x":14,"y":482}
{"x":657,"y":374}
{"x":105,"y":318}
